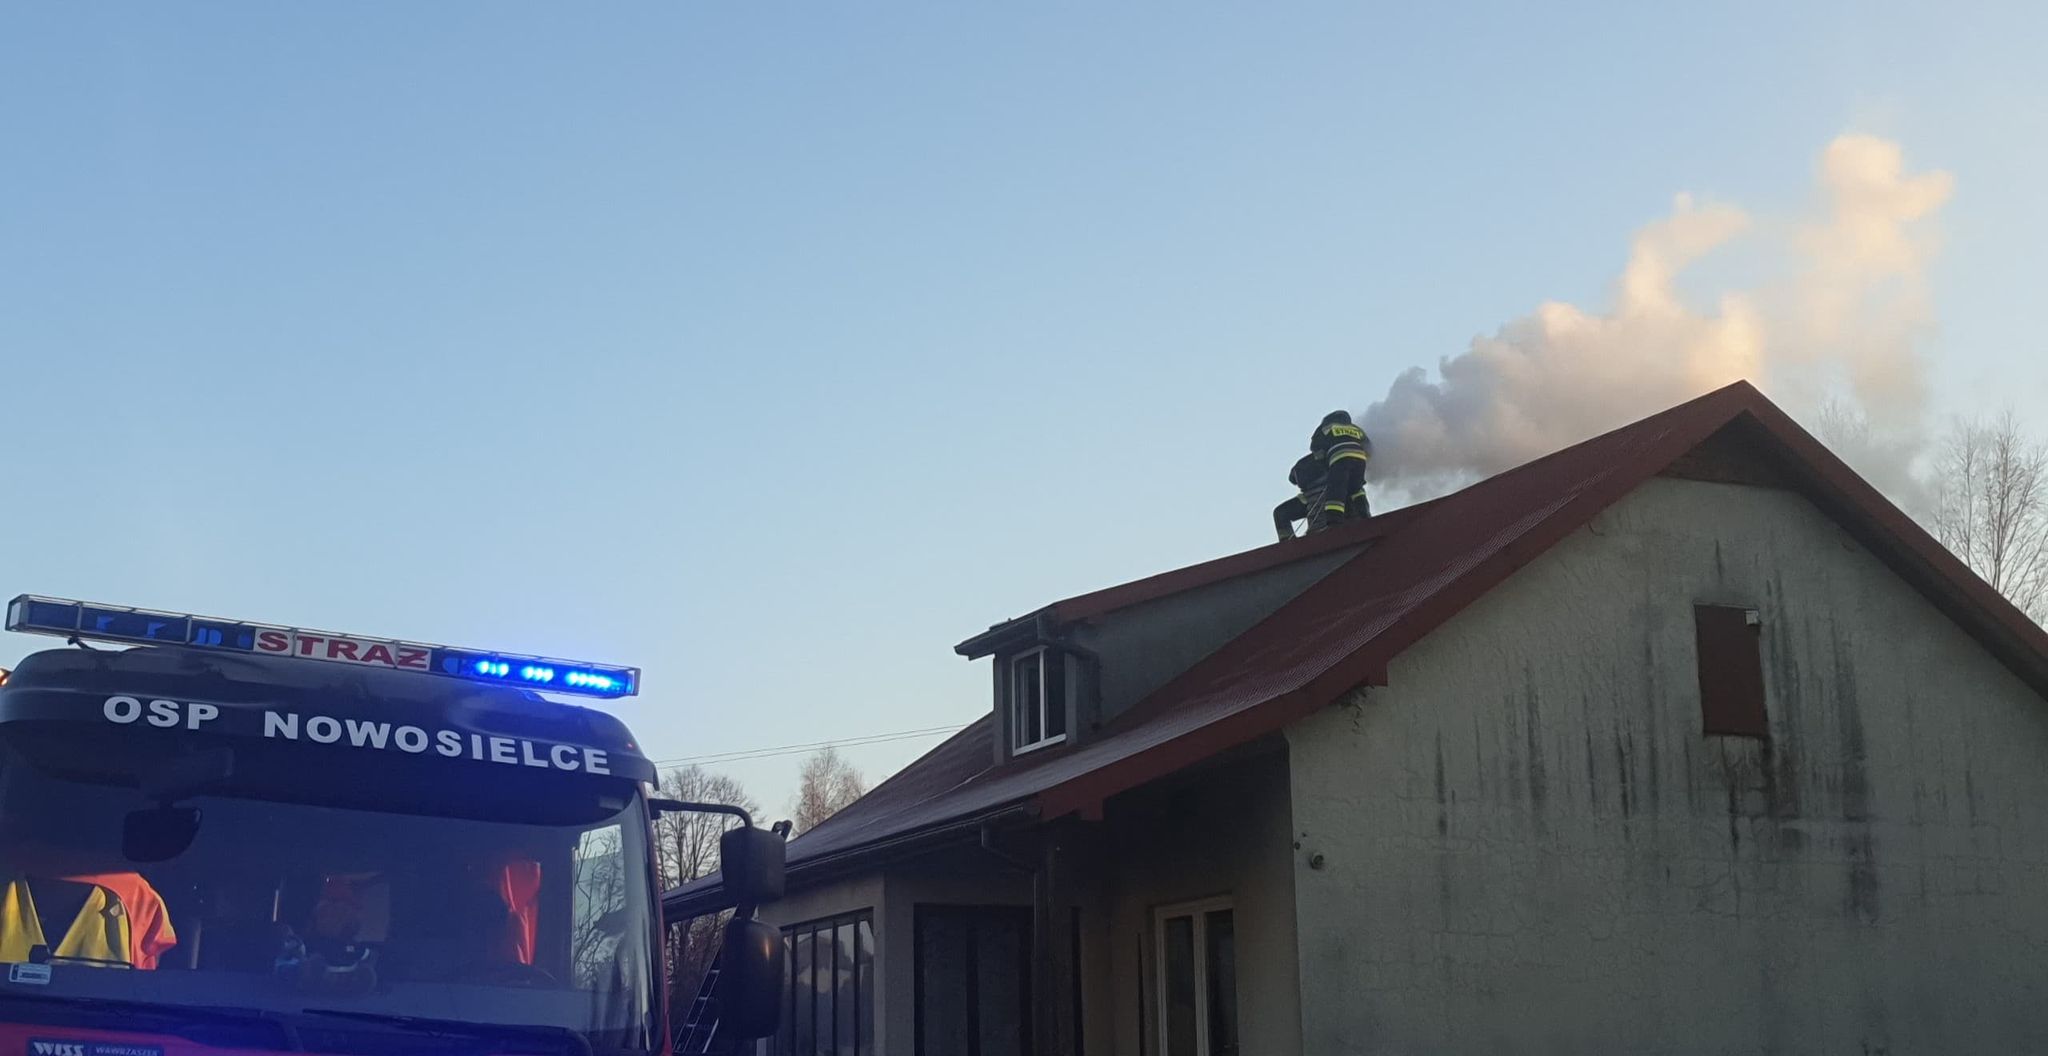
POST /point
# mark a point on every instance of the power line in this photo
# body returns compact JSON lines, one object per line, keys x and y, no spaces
{"x":792,"y":749}
{"x":744,"y":754}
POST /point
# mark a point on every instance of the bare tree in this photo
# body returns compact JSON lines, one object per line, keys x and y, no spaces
{"x":828,"y":783}
{"x":600,"y":877}
{"x":1887,"y":458}
{"x":686,"y":849}
{"x":1844,"y":426}
{"x":688,"y":843}
{"x":1991,"y":507}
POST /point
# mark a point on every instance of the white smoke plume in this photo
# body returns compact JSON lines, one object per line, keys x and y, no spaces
{"x":1844,"y":322}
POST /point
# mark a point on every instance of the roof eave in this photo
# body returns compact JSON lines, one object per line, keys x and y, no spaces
{"x":1026,"y":628}
{"x":1912,"y":552}
{"x":682,"y":904}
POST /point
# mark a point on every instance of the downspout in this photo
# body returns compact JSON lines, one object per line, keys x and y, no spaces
{"x":1057,"y":967}
{"x":1022,"y":865}
{"x":1050,"y":1034}
{"x":1046,"y":1036}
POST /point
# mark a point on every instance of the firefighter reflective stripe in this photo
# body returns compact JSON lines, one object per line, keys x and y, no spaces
{"x":1337,"y":442}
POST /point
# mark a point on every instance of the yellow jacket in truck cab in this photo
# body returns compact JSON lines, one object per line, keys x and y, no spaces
{"x":109,"y":929}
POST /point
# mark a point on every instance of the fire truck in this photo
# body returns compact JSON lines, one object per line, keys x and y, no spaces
{"x":219,"y":836}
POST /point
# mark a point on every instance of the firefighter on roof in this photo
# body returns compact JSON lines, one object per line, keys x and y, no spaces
{"x":1307,"y":477}
{"x":1345,"y":450}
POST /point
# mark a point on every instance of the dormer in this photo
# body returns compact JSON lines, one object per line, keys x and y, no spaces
{"x":1067,"y":670}
{"x":1045,"y":691}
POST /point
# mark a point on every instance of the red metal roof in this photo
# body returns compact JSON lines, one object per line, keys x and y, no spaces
{"x":1428,"y":563}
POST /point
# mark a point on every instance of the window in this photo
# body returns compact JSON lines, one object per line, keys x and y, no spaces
{"x":1038,"y":700}
{"x":973,"y":981}
{"x":520,"y":907}
{"x":831,"y":987}
{"x":1197,"y":969}
{"x":1731,"y":671}
{"x":600,"y":893}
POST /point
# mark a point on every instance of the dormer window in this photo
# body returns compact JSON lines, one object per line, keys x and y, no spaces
{"x":1038,"y":700}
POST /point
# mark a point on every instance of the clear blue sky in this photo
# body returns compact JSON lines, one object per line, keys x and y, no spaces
{"x":777,"y":347}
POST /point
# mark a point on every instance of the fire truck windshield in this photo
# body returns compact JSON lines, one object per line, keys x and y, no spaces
{"x":522,"y":902}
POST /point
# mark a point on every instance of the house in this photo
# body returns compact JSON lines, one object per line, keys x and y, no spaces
{"x":1679,"y":740}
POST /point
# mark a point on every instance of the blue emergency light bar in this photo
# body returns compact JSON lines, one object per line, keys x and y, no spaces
{"x":113,"y":623}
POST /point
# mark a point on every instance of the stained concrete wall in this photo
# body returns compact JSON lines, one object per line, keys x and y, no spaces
{"x":1221,"y":830}
{"x":1530,"y":847}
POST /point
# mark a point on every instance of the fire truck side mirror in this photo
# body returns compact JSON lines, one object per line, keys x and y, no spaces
{"x":750,"y":862}
{"x":750,"y":978}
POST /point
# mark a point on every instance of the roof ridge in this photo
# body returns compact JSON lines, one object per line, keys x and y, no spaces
{"x":1728,"y":391}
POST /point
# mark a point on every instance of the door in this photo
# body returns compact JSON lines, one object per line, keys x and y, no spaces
{"x":973,"y":981}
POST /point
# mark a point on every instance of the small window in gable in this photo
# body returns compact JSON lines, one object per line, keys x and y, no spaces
{"x":1731,"y":671}
{"x":1038,"y":700}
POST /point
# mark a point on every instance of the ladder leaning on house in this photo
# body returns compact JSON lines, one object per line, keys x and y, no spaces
{"x":700,"y":1028}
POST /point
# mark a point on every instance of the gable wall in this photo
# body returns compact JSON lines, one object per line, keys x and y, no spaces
{"x":1529,"y":846}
